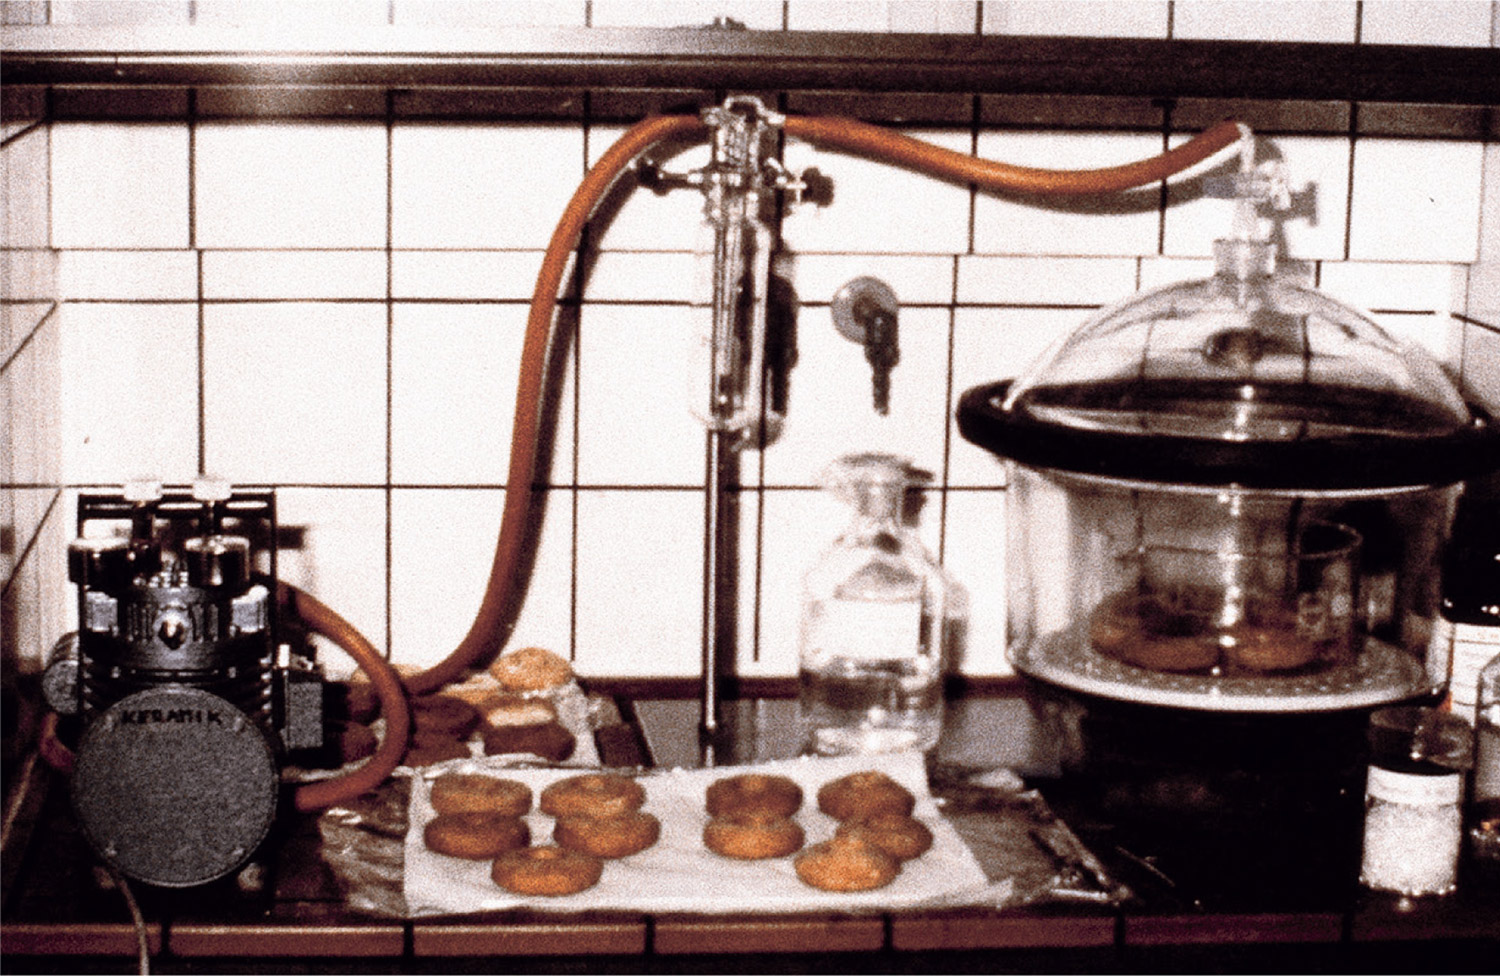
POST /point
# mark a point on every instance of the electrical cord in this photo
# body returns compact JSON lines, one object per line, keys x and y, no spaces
{"x":142,"y":941}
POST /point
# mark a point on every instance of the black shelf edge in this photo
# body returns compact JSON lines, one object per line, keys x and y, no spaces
{"x":755,"y":60}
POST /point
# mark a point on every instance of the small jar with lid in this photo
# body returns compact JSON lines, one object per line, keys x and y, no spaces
{"x":1414,"y":801}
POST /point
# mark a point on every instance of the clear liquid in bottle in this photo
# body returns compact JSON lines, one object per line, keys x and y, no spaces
{"x":879,"y":617}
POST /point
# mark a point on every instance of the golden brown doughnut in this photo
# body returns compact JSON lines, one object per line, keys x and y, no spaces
{"x":354,"y":741}
{"x":864,"y":794}
{"x":549,"y":741}
{"x":1268,"y":648}
{"x":846,"y":864}
{"x":425,"y":752}
{"x":531,"y":670}
{"x":593,"y":795}
{"x":443,"y":715}
{"x":752,"y":836}
{"x":551,"y":871}
{"x":609,"y":837}
{"x":899,"y":836}
{"x":1143,"y":632}
{"x":476,"y":836}
{"x":474,"y":793}
{"x":754,"y":793}
{"x":502,"y":711}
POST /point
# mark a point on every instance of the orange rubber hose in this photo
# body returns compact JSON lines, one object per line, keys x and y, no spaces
{"x":386,"y":684}
{"x":488,"y":633}
{"x":908,"y":153}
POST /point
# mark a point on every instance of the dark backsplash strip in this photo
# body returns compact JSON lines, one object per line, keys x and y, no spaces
{"x":605,"y":59}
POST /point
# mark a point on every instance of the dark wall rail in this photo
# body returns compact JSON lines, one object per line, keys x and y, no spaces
{"x":707,"y":58}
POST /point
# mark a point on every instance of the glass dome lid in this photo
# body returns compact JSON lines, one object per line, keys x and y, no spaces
{"x":1245,"y":378}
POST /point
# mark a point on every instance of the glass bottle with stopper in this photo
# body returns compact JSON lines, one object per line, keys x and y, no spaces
{"x":879,"y":617}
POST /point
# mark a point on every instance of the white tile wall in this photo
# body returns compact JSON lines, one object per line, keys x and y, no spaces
{"x":360,"y":289}
{"x":1456,"y":23}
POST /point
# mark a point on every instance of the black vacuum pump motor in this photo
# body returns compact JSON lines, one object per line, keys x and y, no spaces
{"x":185,"y":703}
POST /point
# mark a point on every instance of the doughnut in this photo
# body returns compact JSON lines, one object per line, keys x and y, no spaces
{"x":1144,"y":632}
{"x":864,"y":794}
{"x":552,"y":871}
{"x":425,"y":752}
{"x":899,"y":836}
{"x":362,"y":703}
{"x":354,"y":741}
{"x":1256,"y":648}
{"x":505,"y":711}
{"x":549,"y":741}
{"x":609,"y":837}
{"x":754,"y":793}
{"x":846,"y":864}
{"x":476,"y":835}
{"x":473,"y":793}
{"x":531,"y":670}
{"x":752,"y":836}
{"x":592,"y":794}
{"x":443,"y":715}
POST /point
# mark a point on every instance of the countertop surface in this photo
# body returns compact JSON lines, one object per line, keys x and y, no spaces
{"x":60,"y":914}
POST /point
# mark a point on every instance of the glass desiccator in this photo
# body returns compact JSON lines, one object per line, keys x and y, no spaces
{"x":880,"y":617}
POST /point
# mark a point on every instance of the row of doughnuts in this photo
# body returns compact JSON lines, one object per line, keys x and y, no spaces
{"x":751,"y":818}
{"x":597,"y":817}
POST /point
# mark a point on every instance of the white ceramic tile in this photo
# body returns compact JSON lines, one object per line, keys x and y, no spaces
{"x":33,"y":405}
{"x":974,"y":554}
{"x":898,"y":16}
{"x":21,"y":608}
{"x":1438,"y":334}
{"x":481,"y":186}
{"x":650,"y":221}
{"x":640,"y":572}
{"x":1481,"y":366}
{"x":488,"y":13}
{"x":1441,"y":23}
{"x":453,"y":375}
{"x":830,"y":402}
{"x":295,"y":392}
{"x":1392,"y":287}
{"x":1018,"y":225}
{"x":57,"y":604}
{"x":305,"y":13}
{"x":119,"y":13}
{"x":1318,"y":170}
{"x":642,"y":276}
{"x":1077,"y":18}
{"x":290,"y":184}
{"x":24,"y":12}
{"x":500,"y":275}
{"x":880,"y":208}
{"x":23,"y":191}
{"x":635,"y":422}
{"x":119,"y":185}
{"x":131,"y":408}
{"x":1044,"y":280}
{"x":127,"y":275}
{"x":1331,"y":21}
{"x":17,"y":321}
{"x":294,"y":274}
{"x":1416,"y":200}
{"x":754,"y":14}
{"x":1162,"y":272}
{"x":442,"y":544}
{"x":991,"y":345}
{"x":341,"y":561}
{"x":799,"y":527}
{"x":916,"y":279}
